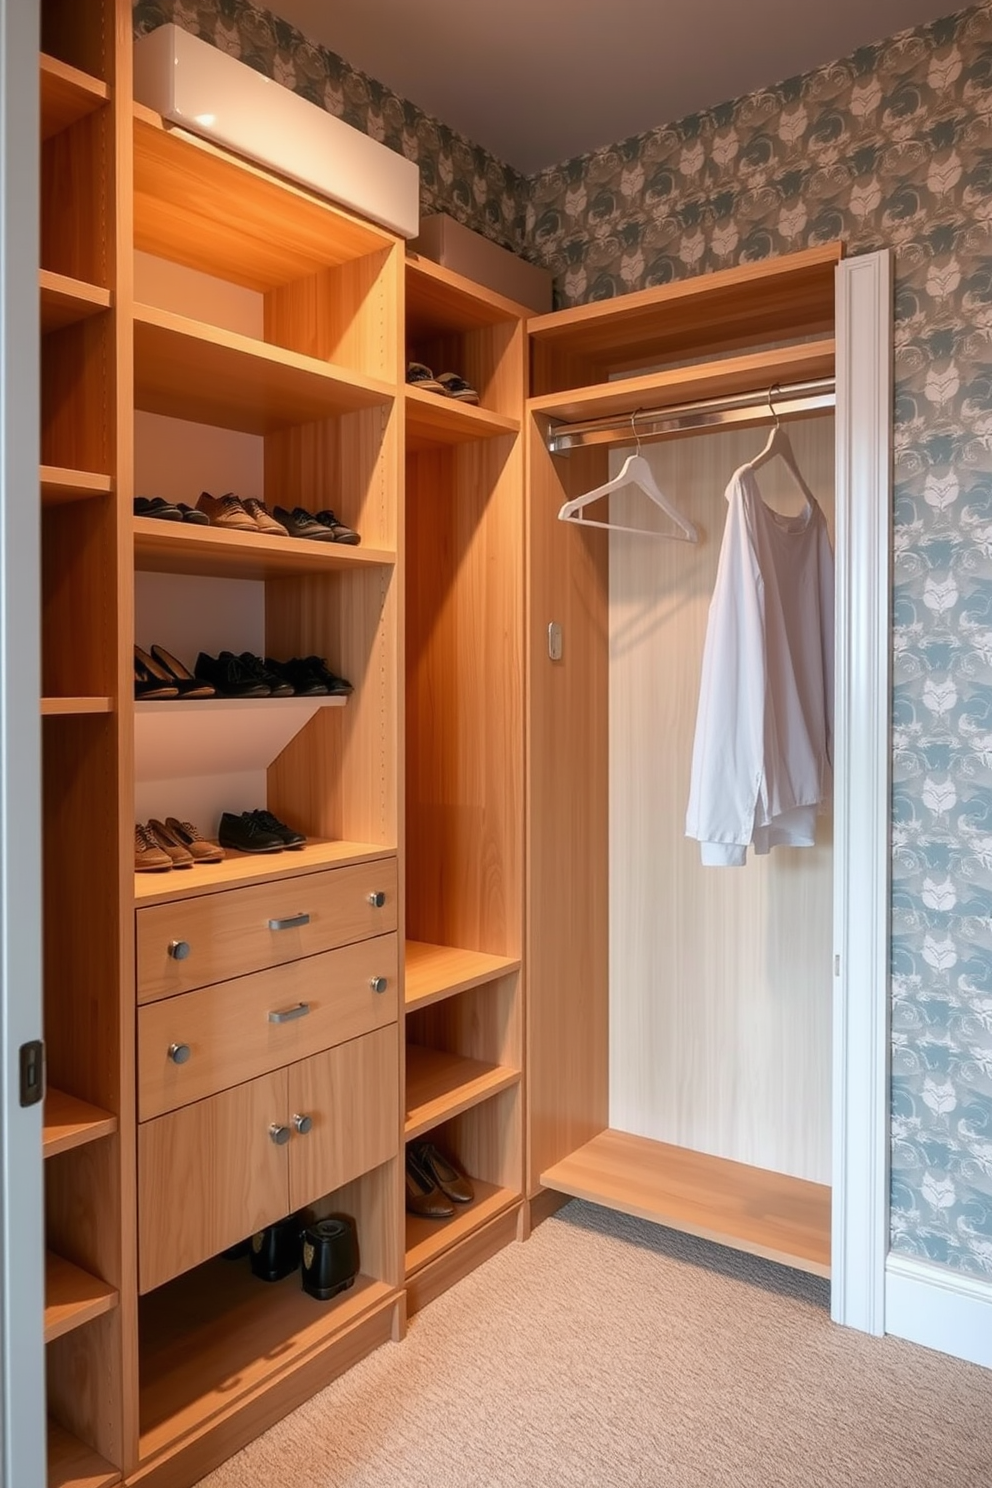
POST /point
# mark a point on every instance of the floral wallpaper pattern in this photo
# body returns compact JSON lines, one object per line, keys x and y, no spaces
{"x":891,"y":146}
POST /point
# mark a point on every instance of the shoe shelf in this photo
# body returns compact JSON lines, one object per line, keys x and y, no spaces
{"x":187,"y":369}
{"x":441,"y":1085}
{"x":238,"y":869}
{"x":217,"y":736}
{"x":64,"y":300}
{"x":189,"y":194}
{"x":71,"y":1464}
{"x":435,"y":972}
{"x":426,"y":1239}
{"x":210,"y":1339}
{"x":72,"y":707}
{"x":69,"y":1122}
{"x":440,"y":301}
{"x":432,"y":420}
{"x":67,"y":95}
{"x":723,"y":378}
{"x":72,"y":1296}
{"x":59,"y":486}
{"x":174,"y":547}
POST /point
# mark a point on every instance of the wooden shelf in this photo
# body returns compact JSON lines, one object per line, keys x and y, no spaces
{"x":72,"y":1464}
{"x":72,"y":1297}
{"x":59,"y":486}
{"x":217,"y":736}
{"x":440,"y":1085}
{"x":65,"y":301}
{"x":742,"y":374}
{"x":71,"y":707}
{"x":187,"y":369}
{"x":211,"y":1338}
{"x":439,"y":301}
{"x":198,"y":205}
{"x":426,"y":1239}
{"x":432,"y":420}
{"x":174,"y":547}
{"x":753,"y":304}
{"x":435,"y":972}
{"x":243,"y":868}
{"x":766,"y":1214}
{"x":69,"y":1123}
{"x":67,"y":95}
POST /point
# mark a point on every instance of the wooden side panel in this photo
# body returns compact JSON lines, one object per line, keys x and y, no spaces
{"x":208,"y":1175}
{"x":77,"y":381}
{"x":464,"y":696}
{"x":84,"y":1372}
{"x":349,"y":464}
{"x":373,"y":1201}
{"x":488,"y":1139}
{"x":346,"y":315}
{"x":567,"y":791}
{"x":490,"y":358}
{"x":76,"y":200}
{"x":79,"y":32}
{"x":482,"y":1023}
{"x":350,"y":1094}
{"x":79,"y":598}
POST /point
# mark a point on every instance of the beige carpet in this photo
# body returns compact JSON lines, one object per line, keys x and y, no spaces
{"x":609,"y":1353}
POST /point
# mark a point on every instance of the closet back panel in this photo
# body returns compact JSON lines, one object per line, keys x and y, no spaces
{"x":720,"y":986}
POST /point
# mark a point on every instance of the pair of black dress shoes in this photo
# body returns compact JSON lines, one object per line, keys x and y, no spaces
{"x":434,"y":1183}
{"x":257,"y":832}
{"x":249,"y":676}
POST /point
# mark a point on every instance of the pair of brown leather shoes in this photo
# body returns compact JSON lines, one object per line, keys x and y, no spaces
{"x":434,"y":1184}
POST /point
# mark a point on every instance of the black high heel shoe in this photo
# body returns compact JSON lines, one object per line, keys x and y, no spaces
{"x":172,"y":669}
{"x":149,"y":679}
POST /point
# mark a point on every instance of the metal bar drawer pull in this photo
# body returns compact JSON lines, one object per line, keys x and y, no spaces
{"x":292,"y":923}
{"x":286,"y":1015}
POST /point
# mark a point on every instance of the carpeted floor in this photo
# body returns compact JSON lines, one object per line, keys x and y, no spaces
{"x":609,"y":1353}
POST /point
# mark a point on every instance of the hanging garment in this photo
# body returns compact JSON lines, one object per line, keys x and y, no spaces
{"x":762,"y":757}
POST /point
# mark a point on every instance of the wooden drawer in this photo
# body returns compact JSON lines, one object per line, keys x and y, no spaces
{"x":247,"y":929}
{"x":210,"y":1173}
{"x":246,"y":1027}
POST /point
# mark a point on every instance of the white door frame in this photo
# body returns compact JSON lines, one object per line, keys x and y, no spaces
{"x":22,"y":1362}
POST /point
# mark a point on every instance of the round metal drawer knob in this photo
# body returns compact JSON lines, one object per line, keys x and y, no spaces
{"x":303,"y":1124}
{"x":378,"y":984}
{"x":179,"y":949}
{"x":377,"y":899}
{"x":179,"y":1053}
{"x":279,"y":1134}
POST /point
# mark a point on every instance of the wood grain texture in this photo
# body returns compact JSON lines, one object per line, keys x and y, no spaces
{"x":72,"y":1464}
{"x":208,"y":1175}
{"x":69,"y":1122}
{"x":767,"y":1214}
{"x":483,"y":1022}
{"x":351,"y":1093}
{"x":85,"y":1379}
{"x":487,"y":1139}
{"x":441,"y":301}
{"x":426,"y":1239}
{"x":229,"y":934}
{"x":198,"y":205}
{"x":348,"y":315}
{"x":232,"y":1038}
{"x":432,"y":419}
{"x":751,"y":304}
{"x":733,"y":374}
{"x":72,"y":1296}
{"x":568,"y":844}
{"x":246,"y":1358}
{"x":350,"y":463}
{"x":81,"y":35}
{"x":215,"y":553}
{"x":56,"y":707}
{"x":59,"y":485}
{"x":460,"y":1260}
{"x":240,"y":869}
{"x":435,"y":972}
{"x":67,"y":95}
{"x":77,"y":189}
{"x":77,"y":422}
{"x":190,"y":370}
{"x":440,"y":1086}
{"x":721,"y":985}
{"x":373,"y":1200}
{"x":65,"y":300}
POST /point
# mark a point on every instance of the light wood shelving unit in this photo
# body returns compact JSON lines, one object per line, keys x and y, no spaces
{"x":464,"y":765}
{"x":72,"y":1123}
{"x":735,"y":331}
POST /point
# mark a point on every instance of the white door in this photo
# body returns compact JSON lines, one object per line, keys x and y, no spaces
{"x":22,"y":1373}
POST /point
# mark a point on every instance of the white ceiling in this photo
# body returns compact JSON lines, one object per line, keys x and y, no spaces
{"x":539,"y":81}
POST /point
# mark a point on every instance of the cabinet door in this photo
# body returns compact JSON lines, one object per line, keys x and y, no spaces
{"x":209,"y":1175}
{"x":351,"y":1096}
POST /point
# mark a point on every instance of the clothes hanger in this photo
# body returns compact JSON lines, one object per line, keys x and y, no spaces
{"x":780,"y":444}
{"x":635,"y":470}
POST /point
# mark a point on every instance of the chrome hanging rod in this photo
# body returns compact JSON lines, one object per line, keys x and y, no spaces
{"x":646,"y":424}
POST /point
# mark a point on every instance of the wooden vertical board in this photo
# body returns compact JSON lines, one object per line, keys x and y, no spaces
{"x":346,"y":315}
{"x":567,"y":836}
{"x":489,"y":357}
{"x":76,"y":195}
{"x":77,"y":429}
{"x":84,"y":1370}
{"x":350,"y":464}
{"x":81,"y":33}
{"x":464,"y":691}
{"x":79,"y":616}
{"x":720,"y":979}
{"x":481,"y":1023}
{"x":488,"y":1139}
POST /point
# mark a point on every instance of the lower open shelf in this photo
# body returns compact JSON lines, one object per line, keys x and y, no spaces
{"x":751,"y":1209}
{"x":72,"y":1464}
{"x":72,"y":1296}
{"x":441,"y":1085}
{"x":428,"y":1238}
{"x":213,"y":1338}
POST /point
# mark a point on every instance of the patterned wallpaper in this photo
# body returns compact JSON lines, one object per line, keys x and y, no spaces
{"x":891,"y":146}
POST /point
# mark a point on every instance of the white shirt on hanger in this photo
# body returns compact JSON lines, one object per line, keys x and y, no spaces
{"x":762,"y":757}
